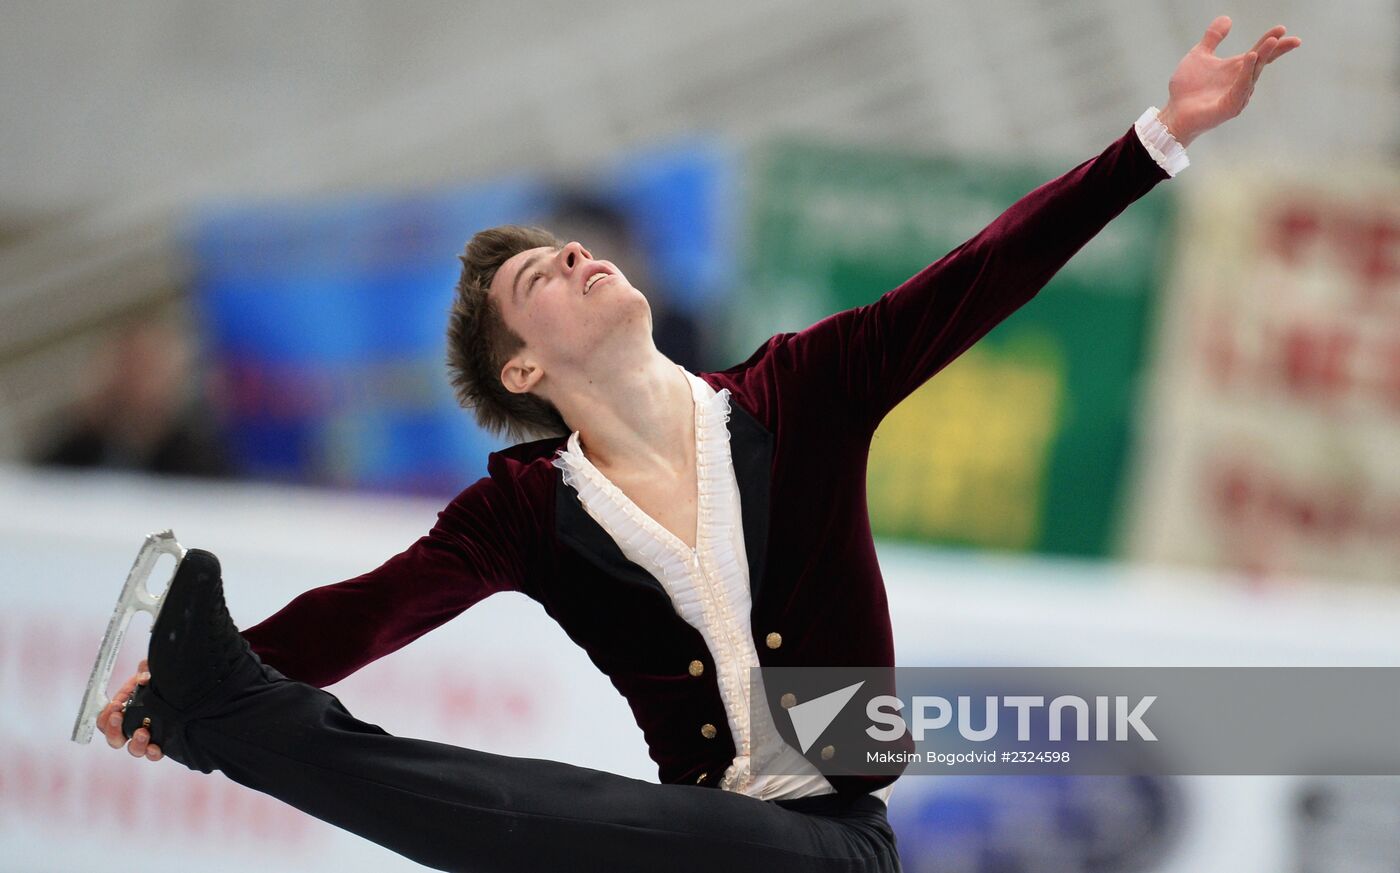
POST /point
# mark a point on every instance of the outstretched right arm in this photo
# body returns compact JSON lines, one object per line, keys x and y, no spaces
{"x":328,"y":633}
{"x":477,"y":547}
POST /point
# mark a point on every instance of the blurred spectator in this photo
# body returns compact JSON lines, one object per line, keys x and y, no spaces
{"x":605,"y":230}
{"x":143,"y":410}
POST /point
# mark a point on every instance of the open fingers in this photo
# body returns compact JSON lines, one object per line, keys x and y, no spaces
{"x":1276,"y":50}
{"x":1217,"y":31}
{"x":1264,"y":55}
{"x":1283,"y":47}
{"x":1276,"y":32}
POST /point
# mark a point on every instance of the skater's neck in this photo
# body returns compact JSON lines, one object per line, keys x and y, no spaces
{"x":639,"y":415}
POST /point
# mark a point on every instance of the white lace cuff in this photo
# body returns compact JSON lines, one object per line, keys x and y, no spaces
{"x":1159,"y":142}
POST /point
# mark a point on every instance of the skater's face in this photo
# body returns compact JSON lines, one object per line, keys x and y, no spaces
{"x":567,"y":317}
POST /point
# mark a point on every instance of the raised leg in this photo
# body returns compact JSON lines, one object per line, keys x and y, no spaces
{"x":457,"y":809}
{"x":452,"y":808}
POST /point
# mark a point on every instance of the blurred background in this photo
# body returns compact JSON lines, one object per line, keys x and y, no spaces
{"x":228,"y":242}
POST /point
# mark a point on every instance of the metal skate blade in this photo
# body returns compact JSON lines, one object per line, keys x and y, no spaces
{"x":135,"y":597}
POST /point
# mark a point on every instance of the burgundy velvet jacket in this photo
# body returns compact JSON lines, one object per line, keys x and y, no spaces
{"x":803,"y":409}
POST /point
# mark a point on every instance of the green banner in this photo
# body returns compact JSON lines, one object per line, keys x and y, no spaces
{"x":1021,"y":443}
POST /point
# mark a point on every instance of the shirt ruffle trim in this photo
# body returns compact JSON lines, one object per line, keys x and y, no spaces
{"x":685,"y":573}
{"x":1159,"y":142}
{"x":617,"y":513}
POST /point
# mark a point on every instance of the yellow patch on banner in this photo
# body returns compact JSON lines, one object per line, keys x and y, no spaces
{"x":966,"y":457}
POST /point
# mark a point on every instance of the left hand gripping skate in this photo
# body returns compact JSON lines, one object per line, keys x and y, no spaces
{"x":197,"y":658}
{"x":135,"y":597}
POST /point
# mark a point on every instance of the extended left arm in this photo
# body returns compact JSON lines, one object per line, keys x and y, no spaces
{"x":863,"y":361}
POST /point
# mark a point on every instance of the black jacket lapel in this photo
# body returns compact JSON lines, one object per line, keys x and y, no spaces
{"x":576,"y":528}
{"x":751,"y":446}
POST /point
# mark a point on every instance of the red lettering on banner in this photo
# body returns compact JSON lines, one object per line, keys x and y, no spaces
{"x":37,"y":646}
{"x":519,"y":706}
{"x":1380,"y":257}
{"x":56,"y":788}
{"x":1316,"y":360}
{"x":61,"y":649}
{"x":456,"y":702}
{"x":1362,"y":240}
{"x":197,"y":805}
{"x":1325,"y":363}
{"x":1294,"y":226}
{"x":1246,"y":494}
{"x":43,"y":786}
{"x":464,"y":698}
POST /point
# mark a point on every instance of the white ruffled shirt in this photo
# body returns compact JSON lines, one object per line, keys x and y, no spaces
{"x":709,"y":589}
{"x":709,"y":585}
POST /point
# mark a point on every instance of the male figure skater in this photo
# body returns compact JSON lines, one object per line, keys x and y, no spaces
{"x":682,"y":528}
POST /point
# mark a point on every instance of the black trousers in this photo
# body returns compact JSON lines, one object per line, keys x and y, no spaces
{"x":451,"y":808}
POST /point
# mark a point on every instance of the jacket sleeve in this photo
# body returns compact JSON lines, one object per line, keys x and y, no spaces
{"x":867,"y":359}
{"x":474,"y":550}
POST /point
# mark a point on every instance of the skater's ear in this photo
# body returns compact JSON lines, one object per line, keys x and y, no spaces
{"x":520,"y":375}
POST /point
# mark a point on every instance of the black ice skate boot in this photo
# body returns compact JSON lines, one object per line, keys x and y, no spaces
{"x":197,"y":660}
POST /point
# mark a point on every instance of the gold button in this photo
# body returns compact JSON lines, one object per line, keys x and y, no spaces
{"x":828,"y":752}
{"x":774,"y":640}
{"x":701,"y":778}
{"x":708,"y":731}
{"x":788,"y":700}
{"x":697,"y":668}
